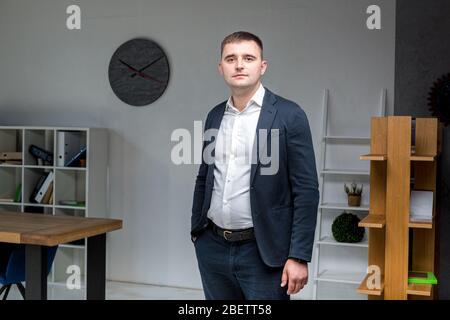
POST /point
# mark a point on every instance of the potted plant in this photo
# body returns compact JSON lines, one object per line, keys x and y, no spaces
{"x":354,"y":194}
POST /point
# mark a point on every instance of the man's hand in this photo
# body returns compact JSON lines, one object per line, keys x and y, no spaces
{"x":295,"y":273}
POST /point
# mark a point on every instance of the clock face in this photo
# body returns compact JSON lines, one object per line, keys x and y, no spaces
{"x":139,"y":72}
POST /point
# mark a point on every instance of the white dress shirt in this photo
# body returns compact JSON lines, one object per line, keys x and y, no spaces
{"x":230,"y":201}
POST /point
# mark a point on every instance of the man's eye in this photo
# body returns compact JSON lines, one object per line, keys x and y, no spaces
{"x":249,"y":59}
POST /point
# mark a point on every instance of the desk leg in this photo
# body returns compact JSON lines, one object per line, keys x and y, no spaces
{"x":35,"y":272}
{"x":96,"y":267}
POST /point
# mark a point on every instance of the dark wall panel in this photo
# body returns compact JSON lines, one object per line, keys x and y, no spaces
{"x":422,"y":56}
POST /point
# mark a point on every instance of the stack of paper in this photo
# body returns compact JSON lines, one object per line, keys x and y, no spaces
{"x":421,"y":206}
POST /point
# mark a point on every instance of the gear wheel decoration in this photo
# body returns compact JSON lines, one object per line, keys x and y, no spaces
{"x":439,"y":99}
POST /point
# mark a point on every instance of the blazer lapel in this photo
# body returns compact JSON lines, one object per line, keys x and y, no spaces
{"x":265,"y":121}
{"x":215,"y":124}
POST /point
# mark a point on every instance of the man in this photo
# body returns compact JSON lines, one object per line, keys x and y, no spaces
{"x":253,"y":231}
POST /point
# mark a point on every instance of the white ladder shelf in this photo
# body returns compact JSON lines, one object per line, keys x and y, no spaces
{"x":323,"y":240}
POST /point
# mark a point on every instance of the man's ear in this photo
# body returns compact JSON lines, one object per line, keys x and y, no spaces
{"x":264,"y":65}
{"x":219,"y":67}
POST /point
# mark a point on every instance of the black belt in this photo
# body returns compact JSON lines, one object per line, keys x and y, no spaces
{"x":233,"y":235}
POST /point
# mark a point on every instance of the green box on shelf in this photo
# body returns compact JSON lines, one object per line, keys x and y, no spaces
{"x":421,"y":277}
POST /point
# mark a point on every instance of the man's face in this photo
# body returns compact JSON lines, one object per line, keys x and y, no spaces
{"x":241,"y":65}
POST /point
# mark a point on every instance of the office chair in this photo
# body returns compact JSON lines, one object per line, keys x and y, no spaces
{"x":12,"y":267}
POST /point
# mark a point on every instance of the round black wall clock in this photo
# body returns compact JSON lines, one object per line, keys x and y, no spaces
{"x":139,"y":72}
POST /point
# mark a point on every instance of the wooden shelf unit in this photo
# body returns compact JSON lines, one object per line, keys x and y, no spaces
{"x":413,"y":289}
{"x":373,"y":221}
{"x":383,"y":157}
{"x":424,"y":290}
{"x":374,"y":157}
{"x":397,"y":244}
{"x":363,"y":289}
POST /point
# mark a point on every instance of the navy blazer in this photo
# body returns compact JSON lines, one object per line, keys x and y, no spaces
{"x":284,"y":204}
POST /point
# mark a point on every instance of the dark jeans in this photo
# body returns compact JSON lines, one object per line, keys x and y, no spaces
{"x":235,"y":270}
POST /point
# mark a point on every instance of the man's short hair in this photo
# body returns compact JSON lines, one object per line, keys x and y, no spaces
{"x":241,"y":36}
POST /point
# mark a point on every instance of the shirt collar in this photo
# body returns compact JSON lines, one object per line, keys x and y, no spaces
{"x":256,"y":99}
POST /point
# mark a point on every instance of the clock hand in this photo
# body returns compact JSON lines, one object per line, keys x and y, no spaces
{"x":128,"y":66}
{"x":141,"y":74}
{"x":147,"y":66}
{"x":146,"y":76}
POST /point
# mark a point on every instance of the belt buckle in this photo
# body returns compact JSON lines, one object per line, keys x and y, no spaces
{"x":225,"y":233}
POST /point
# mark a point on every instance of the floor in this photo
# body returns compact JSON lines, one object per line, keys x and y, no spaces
{"x":123,"y":291}
{"x":120,"y":291}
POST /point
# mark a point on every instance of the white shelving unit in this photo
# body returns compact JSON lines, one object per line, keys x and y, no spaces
{"x":334,"y":263}
{"x":342,"y":206}
{"x":87,"y":185}
{"x":345,"y":172}
{"x":348,"y":138}
{"x":328,"y":240}
{"x":340,"y":277}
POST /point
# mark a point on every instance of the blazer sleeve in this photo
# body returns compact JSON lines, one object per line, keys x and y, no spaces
{"x":199,"y":189}
{"x":304,"y":185}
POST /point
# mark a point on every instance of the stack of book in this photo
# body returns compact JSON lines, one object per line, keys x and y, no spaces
{"x":71,"y":149}
{"x":11,"y":158}
{"x":43,"y":191}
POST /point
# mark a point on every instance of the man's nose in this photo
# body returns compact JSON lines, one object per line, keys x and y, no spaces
{"x":239,"y":64}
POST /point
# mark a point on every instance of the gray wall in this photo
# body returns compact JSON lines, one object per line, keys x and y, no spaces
{"x":422,"y":56}
{"x":52,"y":76}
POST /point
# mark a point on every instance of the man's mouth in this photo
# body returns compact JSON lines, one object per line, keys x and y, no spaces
{"x":239,"y":75}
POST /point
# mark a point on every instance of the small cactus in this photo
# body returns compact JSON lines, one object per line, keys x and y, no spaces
{"x":354,"y":190}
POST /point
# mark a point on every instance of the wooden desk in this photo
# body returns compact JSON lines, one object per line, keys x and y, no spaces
{"x":39,"y":231}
